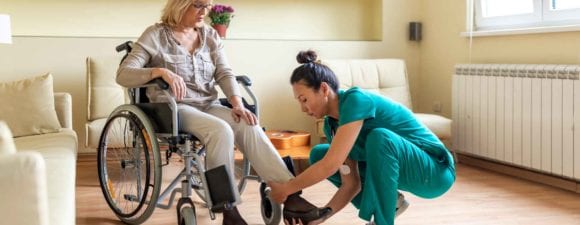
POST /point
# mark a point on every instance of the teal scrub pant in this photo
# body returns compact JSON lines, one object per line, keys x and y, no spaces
{"x":393,"y":163}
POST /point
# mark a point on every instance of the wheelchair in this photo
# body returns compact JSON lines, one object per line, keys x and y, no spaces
{"x":131,"y":148}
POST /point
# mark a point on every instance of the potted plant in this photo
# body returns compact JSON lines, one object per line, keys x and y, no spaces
{"x":220,"y":16}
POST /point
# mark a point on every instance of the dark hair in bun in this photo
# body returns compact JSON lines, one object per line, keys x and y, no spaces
{"x":306,"y":57}
{"x":312,"y":73}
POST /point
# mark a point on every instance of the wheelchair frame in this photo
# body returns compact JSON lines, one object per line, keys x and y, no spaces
{"x":191,"y":150}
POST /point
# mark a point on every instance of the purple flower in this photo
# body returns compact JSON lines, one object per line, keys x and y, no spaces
{"x":222,"y":9}
{"x":221,"y":14}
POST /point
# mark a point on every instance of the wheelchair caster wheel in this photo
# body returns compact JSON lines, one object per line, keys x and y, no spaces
{"x":271,"y":211}
{"x":187,"y":216}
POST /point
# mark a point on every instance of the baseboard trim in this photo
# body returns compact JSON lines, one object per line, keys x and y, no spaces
{"x":86,"y":157}
{"x":534,"y":176}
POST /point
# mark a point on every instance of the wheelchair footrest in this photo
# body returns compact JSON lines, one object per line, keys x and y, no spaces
{"x":220,"y":188}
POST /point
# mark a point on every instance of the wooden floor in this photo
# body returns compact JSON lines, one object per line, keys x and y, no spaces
{"x":478,"y":197}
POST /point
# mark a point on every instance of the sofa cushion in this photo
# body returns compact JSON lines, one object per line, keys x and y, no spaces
{"x":28,"y":106}
{"x":59,"y":153}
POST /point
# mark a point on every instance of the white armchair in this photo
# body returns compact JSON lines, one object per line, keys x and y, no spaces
{"x":103,"y":96}
{"x":387,"y":77}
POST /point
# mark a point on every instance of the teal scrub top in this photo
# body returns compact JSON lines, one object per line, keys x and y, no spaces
{"x":378,"y":111}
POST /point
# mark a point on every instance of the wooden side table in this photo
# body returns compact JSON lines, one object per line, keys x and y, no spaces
{"x":295,"y":144}
{"x":300,"y":156}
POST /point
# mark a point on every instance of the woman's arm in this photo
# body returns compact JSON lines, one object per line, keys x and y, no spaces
{"x":132,"y":71}
{"x":132,"y":74}
{"x":349,"y":188}
{"x":341,"y":145}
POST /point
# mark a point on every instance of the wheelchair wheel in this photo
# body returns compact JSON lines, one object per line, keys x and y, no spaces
{"x":271,"y":211}
{"x":129,"y":164}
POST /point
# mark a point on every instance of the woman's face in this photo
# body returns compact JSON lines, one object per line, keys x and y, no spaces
{"x":313,"y":103}
{"x":196,"y":13}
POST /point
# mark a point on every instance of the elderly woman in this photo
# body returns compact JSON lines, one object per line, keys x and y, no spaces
{"x":189,"y":56}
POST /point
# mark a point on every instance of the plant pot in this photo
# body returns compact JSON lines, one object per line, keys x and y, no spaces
{"x":221,"y":29}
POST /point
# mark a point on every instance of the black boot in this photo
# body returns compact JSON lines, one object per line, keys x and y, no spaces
{"x":297,"y":208}
{"x":232,"y":217}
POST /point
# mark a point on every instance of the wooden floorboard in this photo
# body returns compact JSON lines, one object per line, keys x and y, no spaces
{"x":477,"y":197}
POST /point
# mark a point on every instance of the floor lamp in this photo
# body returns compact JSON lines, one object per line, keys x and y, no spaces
{"x":5,"y":31}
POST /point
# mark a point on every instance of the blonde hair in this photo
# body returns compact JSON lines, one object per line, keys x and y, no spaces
{"x":174,"y":11}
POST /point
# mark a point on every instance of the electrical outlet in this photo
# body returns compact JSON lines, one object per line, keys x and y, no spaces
{"x":437,"y":106}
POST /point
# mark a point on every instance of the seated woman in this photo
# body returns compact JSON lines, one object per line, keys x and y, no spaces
{"x":189,"y":56}
{"x":377,"y":145}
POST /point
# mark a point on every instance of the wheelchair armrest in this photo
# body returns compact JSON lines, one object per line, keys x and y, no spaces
{"x":160,"y":83}
{"x":138,"y":94}
{"x":226,"y":103}
{"x":245,"y":80}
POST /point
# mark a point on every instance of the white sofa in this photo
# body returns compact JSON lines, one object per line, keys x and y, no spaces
{"x":387,"y":77}
{"x":38,"y":173}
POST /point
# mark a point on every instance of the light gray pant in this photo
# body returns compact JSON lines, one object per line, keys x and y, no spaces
{"x":216,"y":128}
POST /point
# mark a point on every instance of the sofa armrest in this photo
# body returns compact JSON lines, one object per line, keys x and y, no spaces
{"x":63,"y":107}
{"x":7,"y":146}
{"x":24,"y":192}
{"x":439,"y":125}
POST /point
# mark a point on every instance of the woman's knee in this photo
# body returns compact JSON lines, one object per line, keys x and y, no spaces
{"x":222,"y":129}
{"x":318,"y":152}
{"x":382,"y":139}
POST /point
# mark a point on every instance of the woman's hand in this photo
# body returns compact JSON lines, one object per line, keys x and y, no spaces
{"x":245,"y":114}
{"x":278,"y":192}
{"x":176,"y":83}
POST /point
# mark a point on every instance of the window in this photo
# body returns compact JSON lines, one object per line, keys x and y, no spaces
{"x":514,"y":14}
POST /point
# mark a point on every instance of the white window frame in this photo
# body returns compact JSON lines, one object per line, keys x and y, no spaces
{"x":560,"y":15}
{"x":541,"y":20}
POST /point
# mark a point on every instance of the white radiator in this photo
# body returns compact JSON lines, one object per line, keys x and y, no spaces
{"x":522,"y":115}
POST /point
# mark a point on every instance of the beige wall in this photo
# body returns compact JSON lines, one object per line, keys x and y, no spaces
{"x":306,"y":19}
{"x":442,"y":48}
{"x":268,"y":62}
{"x":253,"y":19}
